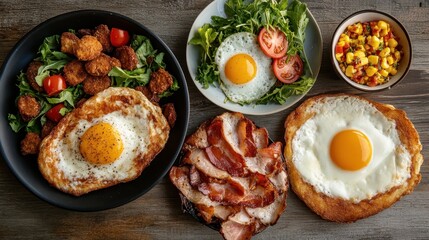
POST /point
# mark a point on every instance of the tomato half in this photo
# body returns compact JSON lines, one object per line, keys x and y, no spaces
{"x":273,"y":42}
{"x":54,"y":113}
{"x":54,"y":84}
{"x":119,"y":37}
{"x":288,"y":69}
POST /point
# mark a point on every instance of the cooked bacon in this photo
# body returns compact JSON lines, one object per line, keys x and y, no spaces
{"x":271,"y":157}
{"x":233,"y":230}
{"x":221,"y":153}
{"x":261,"y":137}
{"x":245,"y":137}
{"x":194,"y":177}
{"x":199,"y":159}
{"x":269,"y":214}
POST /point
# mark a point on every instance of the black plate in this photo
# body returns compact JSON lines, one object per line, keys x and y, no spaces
{"x":26,"y":169}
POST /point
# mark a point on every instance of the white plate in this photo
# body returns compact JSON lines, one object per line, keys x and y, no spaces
{"x":312,"y":46}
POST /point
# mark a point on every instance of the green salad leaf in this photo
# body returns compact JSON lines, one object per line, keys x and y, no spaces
{"x":245,"y":16}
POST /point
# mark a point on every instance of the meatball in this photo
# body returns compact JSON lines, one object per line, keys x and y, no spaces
{"x":68,"y":42}
{"x":31,"y":73}
{"x":28,"y":107}
{"x":127,"y":57}
{"x":145,"y":90}
{"x":30,"y":144}
{"x":74,"y":72}
{"x":99,"y":66}
{"x":102,"y":33}
{"x":93,"y":85}
{"x":170,"y":113}
{"x":160,"y":81}
{"x":47,"y":128}
{"x":88,"y":48}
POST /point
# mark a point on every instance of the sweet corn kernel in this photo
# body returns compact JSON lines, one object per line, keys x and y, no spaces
{"x":397,"y":56}
{"x":383,"y":32}
{"x":359,"y":54}
{"x":363,"y":61}
{"x":374,"y":42}
{"x":392,"y":50}
{"x":392,"y":43}
{"x":360,"y":48}
{"x":393,"y":71}
{"x":350,"y":71}
{"x":373,"y":59}
{"x":384,"y":63}
{"x":341,"y":43}
{"x":370,"y":71}
{"x":390,"y":60}
{"x":384,"y":73}
{"x":389,"y":69}
{"x":359,"y":28}
{"x":338,"y":56}
{"x":382,"y":24}
{"x":344,"y":38}
{"x":385,"y":52}
{"x":349,"y":57}
{"x":361,"y":39}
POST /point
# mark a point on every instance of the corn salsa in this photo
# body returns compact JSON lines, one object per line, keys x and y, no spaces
{"x":368,"y":53}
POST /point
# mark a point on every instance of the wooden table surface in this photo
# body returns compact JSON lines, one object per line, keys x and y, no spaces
{"x":157,"y":214}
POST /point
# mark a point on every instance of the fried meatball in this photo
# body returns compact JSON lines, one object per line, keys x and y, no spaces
{"x":68,"y":42}
{"x":93,"y":85}
{"x":31,"y":73}
{"x":28,"y":107}
{"x":102,"y":33}
{"x":115,"y":62}
{"x":145,"y":90}
{"x":170,"y":113}
{"x":99,"y":66}
{"x":88,"y":48}
{"x":30,"y":144}
{"x":84,"y":31}
{"x":47,"y":128}
{"x":160,"y":81}
{"x":74,"y":72}
{"x":127,"y":57}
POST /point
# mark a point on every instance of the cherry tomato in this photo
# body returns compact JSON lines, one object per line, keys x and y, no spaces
{"x":54,"y":84}
{"x":119,"y":37}
{"x":288,"y":69}
{"x":54,"y":113}
{"x":273,"y":42}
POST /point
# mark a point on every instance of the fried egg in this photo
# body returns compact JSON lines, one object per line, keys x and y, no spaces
{"x":110,"y":139}
{"x":350,"y":150}
{"x":245,"y":71}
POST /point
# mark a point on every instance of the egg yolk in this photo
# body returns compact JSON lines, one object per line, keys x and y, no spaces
{"x":350,"y":150}
{"x":101,"y":144}
{"x":240,"y":69}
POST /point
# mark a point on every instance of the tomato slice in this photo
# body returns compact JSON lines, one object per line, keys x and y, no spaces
{"x":288,"y":68}
{"x":119,"y":37}
{"x":54,"y":84}
{"x":338,"y":49}
{"x":54,"y":113}
{"x":273,"y":42}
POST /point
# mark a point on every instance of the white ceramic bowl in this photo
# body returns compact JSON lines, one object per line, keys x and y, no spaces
{"x":399,"y":31}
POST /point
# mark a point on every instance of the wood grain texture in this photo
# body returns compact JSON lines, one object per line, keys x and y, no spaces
{"x":157,"y":215}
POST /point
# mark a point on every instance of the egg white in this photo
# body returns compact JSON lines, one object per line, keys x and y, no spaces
{"x":134,"y":134}
{"x":244,"y":42}
{"x":390,"y":161}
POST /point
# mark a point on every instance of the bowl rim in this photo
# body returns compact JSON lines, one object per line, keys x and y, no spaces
{"x":35,"y":190}
{"x":334,"y":60}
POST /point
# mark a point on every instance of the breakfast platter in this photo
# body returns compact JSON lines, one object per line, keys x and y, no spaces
{"x":233,"y":119}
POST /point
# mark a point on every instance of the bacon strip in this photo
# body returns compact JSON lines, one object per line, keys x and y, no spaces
{"x":221,"y":153}
{"x":245,"y":137}
{"x":232,"y":230}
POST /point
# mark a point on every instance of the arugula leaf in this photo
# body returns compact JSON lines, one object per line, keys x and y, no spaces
{"x":280,"y":94}
{"x":125,"y":78}
{"x":15,"y":122}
